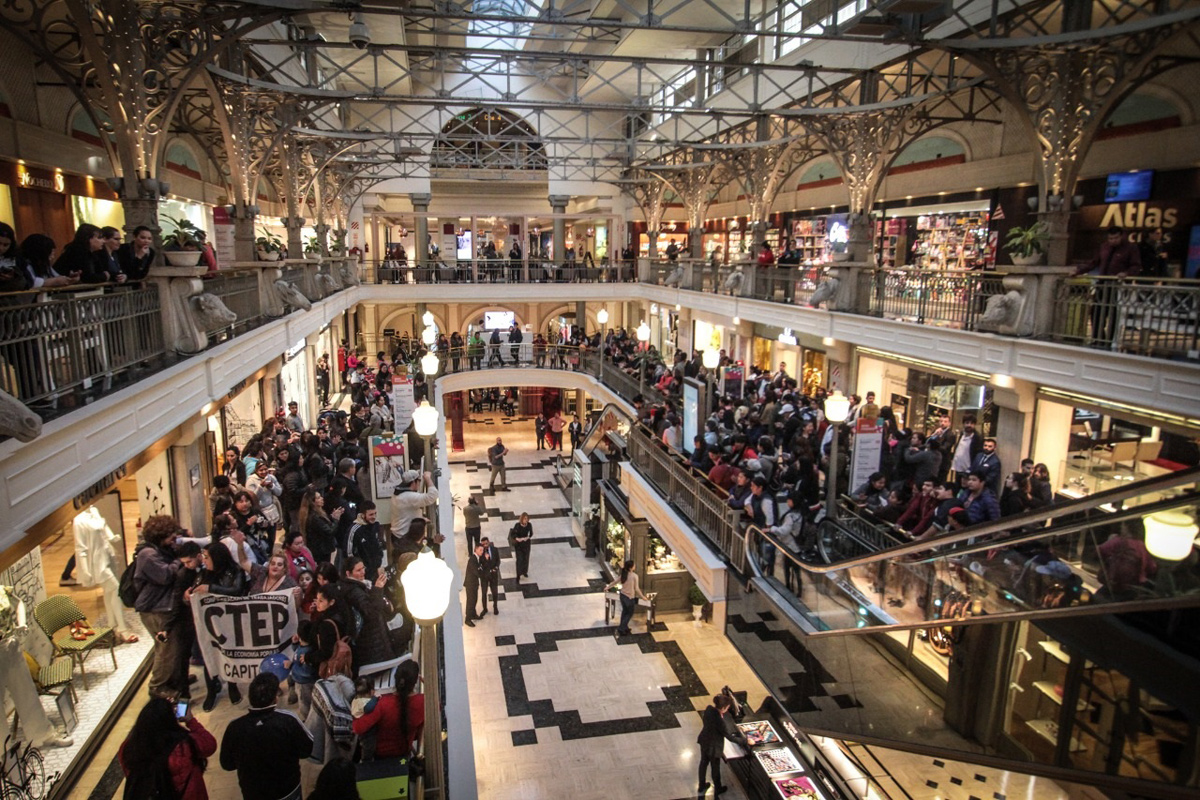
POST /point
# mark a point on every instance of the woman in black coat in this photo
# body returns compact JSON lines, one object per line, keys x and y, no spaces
{"x":221,"y":575}
{"x":371,"y":610}
{"x":79,"y":256}
{"x":712,"y":741}
{"x":332,"y":621}
{"x":135,"y":257}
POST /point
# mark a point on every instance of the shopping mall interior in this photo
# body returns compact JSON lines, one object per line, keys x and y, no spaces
{"x":843,"y":249}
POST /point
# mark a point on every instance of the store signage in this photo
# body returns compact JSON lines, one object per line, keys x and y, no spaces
{"x":294,"y":350}
{"x":41,"y":179}
{"x":98,"y":488}
{"x":237,"y":387}
{"x":787,"y":337}
{"x":1148,"y":214}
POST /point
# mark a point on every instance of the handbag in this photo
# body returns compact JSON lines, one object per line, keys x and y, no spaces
{"x":271,"y":514}
{"x":342,"y":660}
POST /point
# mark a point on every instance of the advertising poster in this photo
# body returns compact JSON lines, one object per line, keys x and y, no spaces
{"x":731,"y":381}
{"x":237,"y":633}
{"x":388,"y":462}
{"x":868,"y":448}
{"x":691,"y":413}
{"x":402,"y":400}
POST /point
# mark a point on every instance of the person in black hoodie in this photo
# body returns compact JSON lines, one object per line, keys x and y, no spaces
{"x":265,"y":746}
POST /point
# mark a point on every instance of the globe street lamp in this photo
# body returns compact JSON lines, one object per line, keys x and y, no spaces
{"x":1170,"y":535}
{"x":429,"y":336}
{"x":429,"y":365}
{"x":426,"y":584}
{"x":837,"y":408}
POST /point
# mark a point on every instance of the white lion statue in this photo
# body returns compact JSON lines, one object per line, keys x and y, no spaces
{"x":825,"y":292}
{"x":733,"y":283}
{"x":18,"y":421}
{"x":211,"y":313}
{"x":675,"y":278}
{"x":1001,"y":311}
{"x":291,"y":295}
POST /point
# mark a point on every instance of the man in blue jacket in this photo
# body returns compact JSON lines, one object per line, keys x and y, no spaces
{"x":981,"y":505}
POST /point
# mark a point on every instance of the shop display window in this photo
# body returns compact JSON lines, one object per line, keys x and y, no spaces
{"x":659,"y":556}
{"x":1111,"y":725}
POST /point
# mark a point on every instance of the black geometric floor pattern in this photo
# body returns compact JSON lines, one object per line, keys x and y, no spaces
{"x":529,"y":588}
{"x":483,"y":466}
{"x":662,"y":713}
{"x":810,"y":681}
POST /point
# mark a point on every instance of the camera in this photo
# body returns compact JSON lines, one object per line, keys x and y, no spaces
{"x":360,"y":35}
{"x":390,"y":571}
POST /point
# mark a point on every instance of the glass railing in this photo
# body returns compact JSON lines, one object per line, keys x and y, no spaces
{"x":1087,"y":556}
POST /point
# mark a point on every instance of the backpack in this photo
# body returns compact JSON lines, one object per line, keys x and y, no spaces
{"x":342,"y":660}
{"x":128,"y":588}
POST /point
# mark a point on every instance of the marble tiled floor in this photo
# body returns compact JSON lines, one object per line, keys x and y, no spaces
{"x":559,"y":707}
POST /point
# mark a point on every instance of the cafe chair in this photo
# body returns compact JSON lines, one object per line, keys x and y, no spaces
{"x":1149,"y":451}
{"x":55,"y":614}
{"x":55,"y":675}
{"x":1117,"y":453}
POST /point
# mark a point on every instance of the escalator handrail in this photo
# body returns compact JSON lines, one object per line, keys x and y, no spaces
{"x":1007,"y":524}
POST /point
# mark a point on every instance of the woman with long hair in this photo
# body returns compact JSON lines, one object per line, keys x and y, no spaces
{"x":400,"y":716}
{"x":79,"y":255}
{"x":221,"y":575}
{"x":336,"y":781}
{"x":630,"y":592}
{"x":318,"y":526}
{"x":38,"y":251}
{"x":333,"y":621}
{"x":233,"y":467}
{"x":299,"y":557}
{"x":136,"y":255}
{"x":164,"y":756}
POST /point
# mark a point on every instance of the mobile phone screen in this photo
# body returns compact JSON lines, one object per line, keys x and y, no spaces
{"x":181,"y":710}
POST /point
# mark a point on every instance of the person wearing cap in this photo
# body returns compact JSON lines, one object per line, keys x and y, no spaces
{"x":265,"y":745}
{"x":413,"y":495}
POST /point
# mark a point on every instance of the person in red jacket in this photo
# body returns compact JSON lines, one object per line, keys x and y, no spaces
{"x":397,"y":718}
{"x":766,"y":258}
{"x":162,"y":748}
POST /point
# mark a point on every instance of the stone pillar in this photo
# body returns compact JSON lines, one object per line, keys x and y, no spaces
{"x":420,"y":256}
{"x":295,"y":241}
{"x":243,"y":234}
{"x":321,"y":229}
{"x":142,"y":211}
{"x":558,"y":205}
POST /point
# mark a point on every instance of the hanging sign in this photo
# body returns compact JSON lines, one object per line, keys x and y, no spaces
{"x":237,"y":633}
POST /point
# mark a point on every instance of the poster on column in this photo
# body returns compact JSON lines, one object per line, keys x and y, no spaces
{"x":237,"y":633}
{"x":868,"y":448}
{"x":402,"y":400}
{"x":388,"y":462}
{"x":222,"y":240}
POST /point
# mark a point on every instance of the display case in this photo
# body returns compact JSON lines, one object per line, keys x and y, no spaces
{"x":810,"y":240}
{"x":893,"y":242}
{"x":953,"y":241}
{"x":775,"y":765}
{"x":626,"y":537}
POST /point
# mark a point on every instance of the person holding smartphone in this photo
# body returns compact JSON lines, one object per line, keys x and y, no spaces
{"x":166,"y":743}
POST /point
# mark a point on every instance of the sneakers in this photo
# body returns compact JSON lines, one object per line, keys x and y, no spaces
{"x":68,"y":581}
{"x":57,"y":740}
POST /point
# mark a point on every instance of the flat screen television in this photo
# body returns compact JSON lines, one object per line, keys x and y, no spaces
{"x":1128,"y":187}
{"x":498,"y":319}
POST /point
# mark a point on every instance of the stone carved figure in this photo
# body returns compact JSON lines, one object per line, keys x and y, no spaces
{"x":348,"y":270}
{"x":1001,"y":311}
{"x":326,"y":284}
{"x":211,"y":313}
{"x":292,"y":296}
{"x":675,"y":278}
{"x":17,"y":421}
{"x":825,"y":293}
{"x":733,"y":283}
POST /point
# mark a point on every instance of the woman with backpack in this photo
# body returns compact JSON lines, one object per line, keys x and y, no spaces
{"x":334,"y":625}
{"x":164,"y":756}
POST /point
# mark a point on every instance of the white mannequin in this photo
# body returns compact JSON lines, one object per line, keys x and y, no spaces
{"x":96,"y":560}
{"x":17,"y":682}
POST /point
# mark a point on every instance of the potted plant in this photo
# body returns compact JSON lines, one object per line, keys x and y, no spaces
{"x":338,"y":246}
{"x":181,"y":245}
{"x":312,"y":249}
{"x":697,"y":599}
{"x":1026,"y":245}
{"x":268,"y":245}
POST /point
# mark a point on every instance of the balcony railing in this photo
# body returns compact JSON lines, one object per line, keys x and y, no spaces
{"x":497,"y":271}
{"x":1157,"y":317}
{"x":59,"y":347}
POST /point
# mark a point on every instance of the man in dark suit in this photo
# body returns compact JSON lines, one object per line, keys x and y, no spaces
{"x":489,"y":574}
{"x":987,"y":462}
{"x":471,"y":584}
{"x":943,"y":439}
{"x":711,"y":741}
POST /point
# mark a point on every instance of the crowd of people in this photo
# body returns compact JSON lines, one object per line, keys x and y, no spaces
{"x":289,"y":512}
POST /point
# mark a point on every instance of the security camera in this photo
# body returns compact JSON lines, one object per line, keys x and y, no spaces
{"x":360,"y":34}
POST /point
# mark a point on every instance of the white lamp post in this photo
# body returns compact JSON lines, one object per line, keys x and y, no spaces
{"x":429,"y":364}
{"x":602,"y":318}
{"x":429,"y":336}
{"x":711,"y":359}
{"x":1170,"y":535}
{"x":427,"y":319}
{"x":426,"y":584}
{"x":837,"y":408}
{"x":643,"y":332}
{"x":425,"y":419}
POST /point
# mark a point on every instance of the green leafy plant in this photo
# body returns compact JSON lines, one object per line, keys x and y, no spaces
{"x":268,"y":242}
{"x":183,"y":236}
{"x":313,"y":245}
{"x":1028,"y":241}
{"x":695,"y":596}
{"x":338,"y":246}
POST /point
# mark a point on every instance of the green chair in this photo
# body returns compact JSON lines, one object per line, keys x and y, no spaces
{"x":55,"y":675}
{"x":58,"y":612}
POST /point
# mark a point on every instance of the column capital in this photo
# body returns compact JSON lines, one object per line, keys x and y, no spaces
{"x":420,"y":201}
{"x":559,"y":201}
